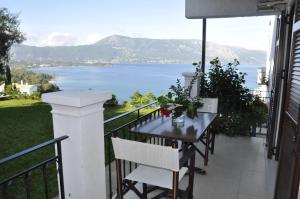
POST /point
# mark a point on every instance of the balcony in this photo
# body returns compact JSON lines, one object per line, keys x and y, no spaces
{"x":239,"y":168}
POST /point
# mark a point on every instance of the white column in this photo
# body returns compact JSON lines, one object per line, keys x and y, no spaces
{"x":79,"y":114}
{"x":188,"y":76}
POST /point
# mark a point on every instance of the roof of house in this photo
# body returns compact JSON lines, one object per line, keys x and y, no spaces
{"x":24,"y":86}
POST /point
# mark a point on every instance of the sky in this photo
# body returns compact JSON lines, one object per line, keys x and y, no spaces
{"x":76,"y":22}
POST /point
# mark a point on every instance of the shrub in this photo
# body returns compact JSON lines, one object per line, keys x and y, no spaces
{"x":47,"y":88}
{"x":36,"y":95}
{"x":239,"y":109}
{"x":112,"y":102}
{"x":12,"y":91}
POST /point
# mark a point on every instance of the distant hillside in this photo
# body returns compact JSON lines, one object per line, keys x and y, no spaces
{"x":121,"y":49}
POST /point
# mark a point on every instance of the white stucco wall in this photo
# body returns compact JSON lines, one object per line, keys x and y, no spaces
{"x":2,"y":88}
{"x":27,"y":89}
{"x":271,"y":34}
{"x":196,"y":9}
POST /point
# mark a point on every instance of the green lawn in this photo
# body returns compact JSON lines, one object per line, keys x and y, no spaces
{"x":25,"y":123}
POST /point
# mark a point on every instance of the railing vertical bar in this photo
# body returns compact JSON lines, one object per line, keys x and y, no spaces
{"x":27,"y":185}
{"x":135,"y":138}
{"x":45,"y":178}
{"x":124,"y":163}
{"x":130,"y":137}
{"x":5,"y":191}
{"x":109,"y":167}
{"x":60,"y":171}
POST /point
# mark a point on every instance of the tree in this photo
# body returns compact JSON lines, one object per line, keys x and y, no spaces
{"x":10,"y":34}
{"x":112,"y":102}
{"x":240,"y":111}
{"x":150,"y":97}
{"x":137,"y":99}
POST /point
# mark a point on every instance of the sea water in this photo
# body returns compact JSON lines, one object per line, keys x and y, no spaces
{"x":124,"y":79}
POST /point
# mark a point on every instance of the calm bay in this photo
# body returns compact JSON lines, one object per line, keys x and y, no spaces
{"x":124,"y":79}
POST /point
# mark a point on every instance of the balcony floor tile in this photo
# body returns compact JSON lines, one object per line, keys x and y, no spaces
{"x":239,"y":169}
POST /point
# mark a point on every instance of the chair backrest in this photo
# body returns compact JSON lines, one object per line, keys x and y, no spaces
{"x":210,"y":105}
{"x":148,"y":154}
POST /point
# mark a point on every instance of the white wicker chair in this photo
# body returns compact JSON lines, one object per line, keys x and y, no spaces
{"x":210,"y":105}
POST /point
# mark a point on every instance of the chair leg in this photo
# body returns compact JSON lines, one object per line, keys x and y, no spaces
{"x":175,"y":177}
{"x":175,"y":185}
{"x":119,"y":179}
{"x":131,"y":186}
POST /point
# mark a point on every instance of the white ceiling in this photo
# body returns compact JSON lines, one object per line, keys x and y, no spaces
{"x":196,"y":9}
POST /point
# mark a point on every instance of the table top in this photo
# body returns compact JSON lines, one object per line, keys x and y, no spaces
{"x":160,"y":126}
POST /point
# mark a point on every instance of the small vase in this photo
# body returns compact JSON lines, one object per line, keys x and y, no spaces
{"x":178,"y":121}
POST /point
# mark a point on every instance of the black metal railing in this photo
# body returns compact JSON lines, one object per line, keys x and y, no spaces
{"x":43,"y":166}
{"x":262,"y":95}
{"x":123,"y":131}
{"x":265,"y":96}
{"x":256,"y":129}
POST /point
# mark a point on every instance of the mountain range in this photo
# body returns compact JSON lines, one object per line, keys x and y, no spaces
{"x":121,"y":49}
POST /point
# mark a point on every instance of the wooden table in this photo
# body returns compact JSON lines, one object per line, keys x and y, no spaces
{"x":194,"y":130}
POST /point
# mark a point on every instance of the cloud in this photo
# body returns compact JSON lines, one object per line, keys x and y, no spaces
{"x":60,"y":39}
{"x":93,"y":38}
{"x":31,"y":40}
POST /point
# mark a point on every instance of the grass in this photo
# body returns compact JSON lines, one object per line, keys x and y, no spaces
{"x":25,"y":123}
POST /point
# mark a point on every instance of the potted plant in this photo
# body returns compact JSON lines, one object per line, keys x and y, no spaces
{"x":178,"y":99}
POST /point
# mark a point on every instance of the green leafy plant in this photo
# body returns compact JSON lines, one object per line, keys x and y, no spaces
{"x":239,"y":110}
{"x":112,"y":102}
{"x":12,"y":91}
{"x":179,"y":98}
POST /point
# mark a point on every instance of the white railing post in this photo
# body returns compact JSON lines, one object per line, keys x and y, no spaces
{"x":79,"y":114}
{"x":188,"y":76}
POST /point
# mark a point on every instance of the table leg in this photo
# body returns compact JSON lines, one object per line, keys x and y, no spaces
{"x":145,"y":191}
{"x":213,"y":142}
{"x":191,"y":176}
{"x":198,"y":169}
{"x":207,"y":147}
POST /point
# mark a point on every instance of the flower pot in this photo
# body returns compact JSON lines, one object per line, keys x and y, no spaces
{"x":165,"y":112}
{"x":178,"y":121}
